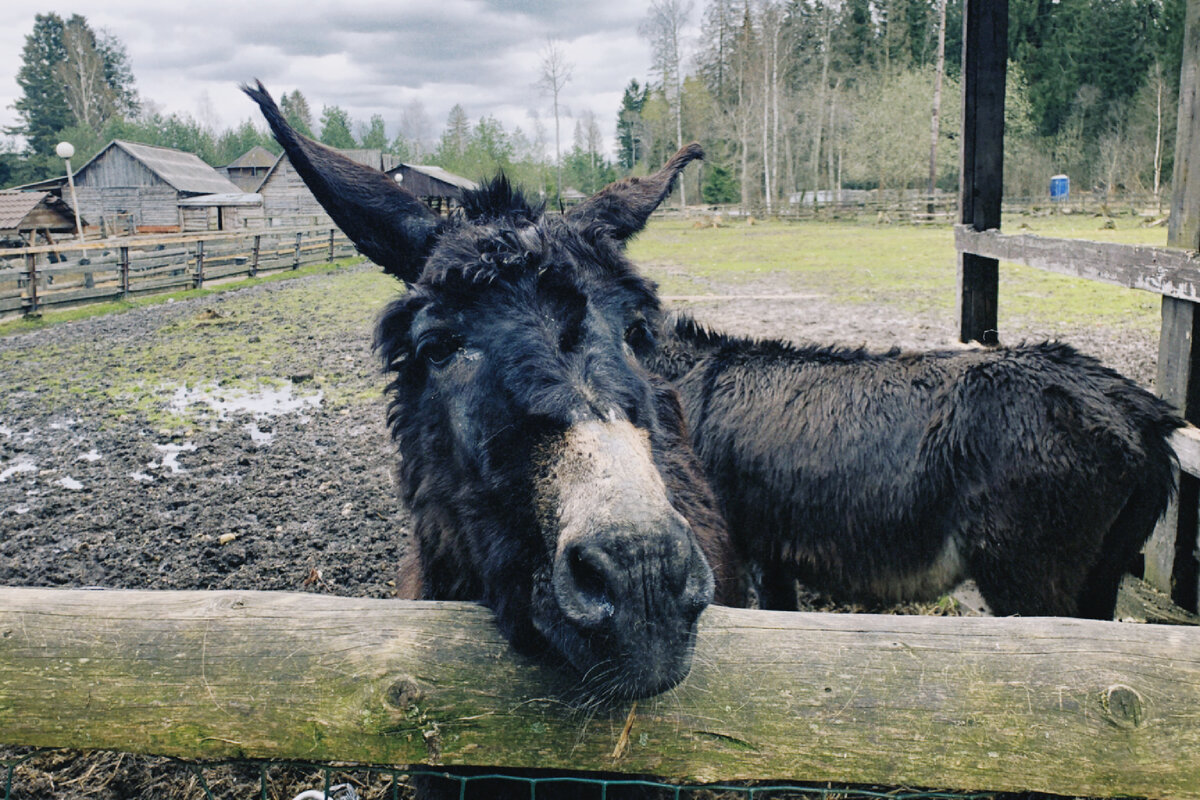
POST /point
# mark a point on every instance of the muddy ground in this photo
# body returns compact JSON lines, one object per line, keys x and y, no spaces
{"x":110,"y":477}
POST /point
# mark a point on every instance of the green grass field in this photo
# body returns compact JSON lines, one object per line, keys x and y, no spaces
{"x":910,"y":267}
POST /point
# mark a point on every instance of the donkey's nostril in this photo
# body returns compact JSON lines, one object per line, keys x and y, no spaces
{"x":591,"y":586}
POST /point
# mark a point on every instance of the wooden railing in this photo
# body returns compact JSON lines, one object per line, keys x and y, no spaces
{"x":34,"y":278}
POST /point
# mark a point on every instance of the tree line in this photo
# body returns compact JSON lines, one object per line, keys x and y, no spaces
{"x":787,"y":96}
{"x":796,"y":96}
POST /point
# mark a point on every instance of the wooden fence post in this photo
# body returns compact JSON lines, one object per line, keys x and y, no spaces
{"x":1171,"y":564}
{"x":254,"y":259}
{"x":199,"y":280}
{"x":332,"y":231}
{"x":985,"y":62}
{"x":124,"y":273}
{"x":296,"y":254}
{"x":31,"y":269}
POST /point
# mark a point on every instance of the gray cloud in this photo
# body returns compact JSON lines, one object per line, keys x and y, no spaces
{"x":368,"y":56}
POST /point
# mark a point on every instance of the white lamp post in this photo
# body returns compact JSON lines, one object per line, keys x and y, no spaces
{"x":65,"y":150}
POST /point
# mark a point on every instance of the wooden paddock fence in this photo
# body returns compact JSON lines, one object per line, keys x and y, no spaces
{"x":35,"y":278}
{"x":1071,"y":707}
{"x":1171,"y":563}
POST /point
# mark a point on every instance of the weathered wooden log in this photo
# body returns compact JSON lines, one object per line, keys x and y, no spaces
{"x":1056,"y":705}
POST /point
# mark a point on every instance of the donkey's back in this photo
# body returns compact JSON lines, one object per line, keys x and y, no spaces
{"x":1034,"y":470}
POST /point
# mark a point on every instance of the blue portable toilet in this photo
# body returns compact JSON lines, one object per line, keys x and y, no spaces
{"x":1060,"y":188}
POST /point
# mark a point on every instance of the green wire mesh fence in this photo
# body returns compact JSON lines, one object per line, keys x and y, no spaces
{"x":292,"y":780}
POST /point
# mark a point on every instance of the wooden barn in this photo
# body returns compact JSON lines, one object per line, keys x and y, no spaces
{"x":143,"y":184}
{"x":436,"y":186}
{"x":287,"y":201}
{"x":249,"y":169}
{"x":26,"y":215}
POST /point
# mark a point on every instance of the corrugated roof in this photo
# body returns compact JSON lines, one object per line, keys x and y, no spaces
{"x":238,"y":199}
{"x":375,"y":159}
{"x":442,"y":175}
{"x":256,"y":157}
{"x":185,"y":172}
{"x":15,"y":205}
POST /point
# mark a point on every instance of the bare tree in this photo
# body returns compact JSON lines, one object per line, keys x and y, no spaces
{"x":935,"y":117}
{"x":663,"y":27}
{"x":414,"y":129}
{"x":90,"y":97}
{"x":556,"y":73}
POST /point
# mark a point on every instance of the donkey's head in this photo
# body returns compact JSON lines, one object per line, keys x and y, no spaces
{"x":549,"y":475}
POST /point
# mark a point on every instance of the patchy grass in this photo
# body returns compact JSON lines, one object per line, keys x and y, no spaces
{"x":906,"y":266}
{"x":89,"y":310}
{"x":316,"y":334}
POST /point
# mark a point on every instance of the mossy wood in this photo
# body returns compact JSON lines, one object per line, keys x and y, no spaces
{"x":1055,"y":705}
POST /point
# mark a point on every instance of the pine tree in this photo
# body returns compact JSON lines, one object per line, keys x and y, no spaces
{"x":373,"y":135}
{"x":296,"y":111}
{"x":630,"y":128}
{"x":335,"y":128}
{"x":42,"y":106}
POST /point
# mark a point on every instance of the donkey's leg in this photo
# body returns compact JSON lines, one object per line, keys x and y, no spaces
{"x":1126,"y":535}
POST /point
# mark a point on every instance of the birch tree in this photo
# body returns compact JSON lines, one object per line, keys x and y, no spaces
{"x":663,"y":27}
{"x":556,"y":74}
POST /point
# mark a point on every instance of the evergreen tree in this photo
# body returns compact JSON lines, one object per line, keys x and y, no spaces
{"x":630,"y":128}
{"x":42,"y":106}
{"x":296,"y":111}
{"x":453,"y":146}
{"x":335,"y":128}
{"x":719,"y":186}
{"x":373,"y":135}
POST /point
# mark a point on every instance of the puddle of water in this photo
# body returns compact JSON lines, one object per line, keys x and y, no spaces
{"x":90,"y":455}
{"x":259,"y":436}
{"x":170,"y":456}
{"x":63,"y":425}
{"x":261,"y":403}
{"x":17,"y":468}
{"x":142,"y":477}
{"x":67,"y":482}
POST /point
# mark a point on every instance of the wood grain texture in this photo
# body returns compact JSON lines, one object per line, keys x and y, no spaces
{"x":1164,"y":270}
{"x":1056,"y":705}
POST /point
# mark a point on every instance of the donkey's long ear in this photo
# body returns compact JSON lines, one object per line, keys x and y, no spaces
{"x":390,"y":225}
{"x":625,"y":206}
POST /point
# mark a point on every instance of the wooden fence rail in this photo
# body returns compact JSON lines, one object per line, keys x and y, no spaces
{"x":1073,"y":707}
{"x":34,"y":278}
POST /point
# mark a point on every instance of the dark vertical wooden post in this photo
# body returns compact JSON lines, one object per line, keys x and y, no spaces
{"x":199,"y":281}
{"x":985,"y":63}
{"x":332,"y":231}
{"x":254,"y":259}
{"x":296,"y":254}
{"x":1170,"y":554}
{"x":124,"y":273}
{"x":31,"y":268}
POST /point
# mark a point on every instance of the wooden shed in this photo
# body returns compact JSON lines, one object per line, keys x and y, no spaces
{"x":249,"y":169}
{"x":436,"y":186}
{"x":218,"y":212}
{"x":287,"y":201}
{"x":26,"y":215}
{"x":144,"y":184}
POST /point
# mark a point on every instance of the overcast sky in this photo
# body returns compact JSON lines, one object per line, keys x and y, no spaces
{"x":367,"y":56}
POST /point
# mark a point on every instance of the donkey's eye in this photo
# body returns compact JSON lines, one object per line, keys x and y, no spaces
{"x":436,"y":349}
{"x":639,"y":336}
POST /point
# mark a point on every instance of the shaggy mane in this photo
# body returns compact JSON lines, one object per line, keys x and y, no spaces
{"x":498,"y":199}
